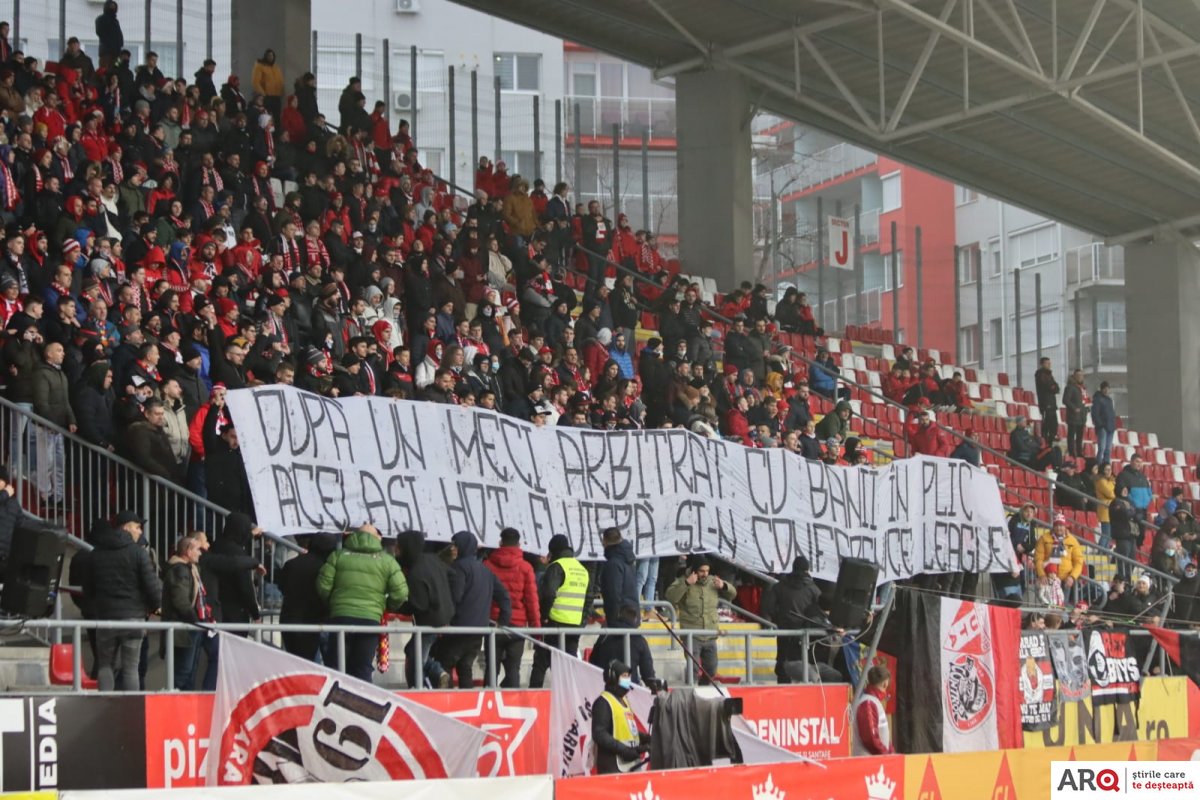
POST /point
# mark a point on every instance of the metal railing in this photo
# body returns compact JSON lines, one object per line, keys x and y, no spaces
{"x":634,"y":115}
{"x":270,"y":633}
{"x":63,"y":479}
{"x":817,"y":168}
{"x":1095,"y":262}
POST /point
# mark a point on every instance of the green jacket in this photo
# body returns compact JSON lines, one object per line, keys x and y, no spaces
{"x":697,"y":604}
{"x":833,"y":425}
{"x":360,"y":580}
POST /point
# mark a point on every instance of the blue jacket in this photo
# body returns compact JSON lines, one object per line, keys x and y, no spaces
{"x":1139,"y":487}
{"x":618,"y":583}
{"x":474,"y":587}
{"x":821,"y":376}
{"x":1104,"y":413}
{"x":624,"y":361}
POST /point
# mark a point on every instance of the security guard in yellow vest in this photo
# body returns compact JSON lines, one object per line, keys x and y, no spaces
{"x":565,"y":596}
{"x":619,"y":745}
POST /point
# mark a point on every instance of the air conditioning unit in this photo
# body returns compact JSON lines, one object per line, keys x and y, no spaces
{"x":408,"y":6}
{"x":404,"y":101}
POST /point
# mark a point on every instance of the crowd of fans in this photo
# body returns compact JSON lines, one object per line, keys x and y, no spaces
{"x":149,"y":267}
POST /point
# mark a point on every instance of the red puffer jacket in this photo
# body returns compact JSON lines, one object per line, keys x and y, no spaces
{"x":509,"y":565}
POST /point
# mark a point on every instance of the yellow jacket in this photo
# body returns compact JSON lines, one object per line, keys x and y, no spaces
{"x":1106,"y":492}
{"x":1071,"y":563}
{"x":267,"y":79}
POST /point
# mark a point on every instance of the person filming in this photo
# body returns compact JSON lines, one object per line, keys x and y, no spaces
{"x":617,"y":735}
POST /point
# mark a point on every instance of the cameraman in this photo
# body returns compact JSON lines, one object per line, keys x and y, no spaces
{"x":619,"y":738}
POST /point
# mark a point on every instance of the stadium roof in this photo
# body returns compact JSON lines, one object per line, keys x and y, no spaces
{"x":1082,"y":110}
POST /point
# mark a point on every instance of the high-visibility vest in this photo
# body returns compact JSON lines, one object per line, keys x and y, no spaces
{"x":625,"y":728}
{"x":568,"y":603}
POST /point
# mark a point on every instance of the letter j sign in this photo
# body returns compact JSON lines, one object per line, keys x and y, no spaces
{"x":840,"y":243}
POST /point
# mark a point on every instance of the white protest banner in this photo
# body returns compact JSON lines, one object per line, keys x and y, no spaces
{"x":323,"y":464}
{"x":282,"y":719}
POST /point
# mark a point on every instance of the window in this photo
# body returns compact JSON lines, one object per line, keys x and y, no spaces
{"x":431,"y":70}
{"x":587,"y":182}
{"x":964,"y":195}
{"x":1032,"y":247}
{"x":1110,"y":330}
{"x":890,"y":187}
{"x":521,"y":162}
{"x":968,"y":344}
{"x":996,"y":336}
{"x":519,"y":72}
{"x":335,"y":65}
{"x":887,"y":270}
{"x":994,"y":251}
{"x":1051,"y":325}
{"x":432,"y":159}
{"x":583,"y":79}
{"x":968,"y":264}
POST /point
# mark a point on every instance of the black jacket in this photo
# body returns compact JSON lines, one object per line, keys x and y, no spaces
{"x":618,"y":582}
{"x":150,"y":448}
{"x":641,"y":661}
{"x":474,"y":587}
{"x":94,"y":408}
{"x":179,"y":587}
{"x":120,"y":581}
{"x":298,"y":583}
{"x":1047,"y":389}
{"x":10,"y":515}
{"x":228,"y":486}
{"x":793,"y":604}
{"x":607,"y":747}
{"x":429,"y":600}
{"x":234,"y":589}
{"x":108,"y":31}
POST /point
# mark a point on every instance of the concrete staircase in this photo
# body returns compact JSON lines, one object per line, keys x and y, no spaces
{"x":24,"y":666}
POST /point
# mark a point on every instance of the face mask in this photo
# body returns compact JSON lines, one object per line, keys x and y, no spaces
{"x":625,"y":683}
{"x":495,"y":365}
{"x":1170,"y":551}
{"x":1191,"y":573}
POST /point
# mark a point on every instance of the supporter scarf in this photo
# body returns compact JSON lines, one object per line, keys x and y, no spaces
{"x":11,"y":196}
{"x":64,"y":164}
{"x":118,"y":171}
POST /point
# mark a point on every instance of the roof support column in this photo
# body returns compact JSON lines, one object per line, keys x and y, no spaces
{"x":1164,"y":373}
{"x":714,"y":176}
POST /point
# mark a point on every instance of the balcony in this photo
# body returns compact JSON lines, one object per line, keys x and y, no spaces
{"x":814,"y":169}
{"x":1112,"y":353}
{"x":1095,"y":264}
{"x":634,"y":115}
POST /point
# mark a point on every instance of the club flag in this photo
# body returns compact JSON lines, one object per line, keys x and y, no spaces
{"x":957,"y":677}
{"x":282,"y":719}
{"x":1070,"y":666}
{"x":575,"y":685}
{"x":1182,"y":648}
{"x":1039,"y":700}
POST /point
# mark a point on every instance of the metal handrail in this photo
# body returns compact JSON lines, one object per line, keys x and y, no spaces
{"x":112,"y":458}
{"x":741,"y":612}
{"x":78,"y":626}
